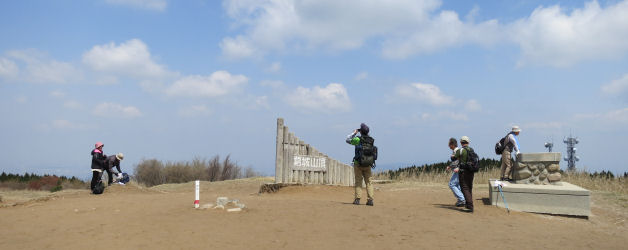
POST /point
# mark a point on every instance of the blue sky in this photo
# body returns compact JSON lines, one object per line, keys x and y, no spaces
{"x":174,"y":80}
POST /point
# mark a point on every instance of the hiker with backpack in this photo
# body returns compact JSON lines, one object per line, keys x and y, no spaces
{"x":505,"y":147}
{"x":363,"y":161}
{"x":468,"y":164}
{"x":98,"y":164}
{"x":454,"y":183}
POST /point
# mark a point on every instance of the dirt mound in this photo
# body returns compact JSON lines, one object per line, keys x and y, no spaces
{"x":405,"y":216}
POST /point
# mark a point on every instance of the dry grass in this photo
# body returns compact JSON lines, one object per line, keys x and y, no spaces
{"x":583,"y":179}
{"x":481,"y":177}
{"x":597,"y":183}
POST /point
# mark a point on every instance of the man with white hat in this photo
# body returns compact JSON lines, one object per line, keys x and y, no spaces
{"x":113,"y":161}
{"x":511,"y":144}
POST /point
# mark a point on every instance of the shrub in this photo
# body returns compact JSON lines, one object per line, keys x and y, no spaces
{"x":44,"y":183}
{"x":149,"y":172}
{"x":153,"y":172}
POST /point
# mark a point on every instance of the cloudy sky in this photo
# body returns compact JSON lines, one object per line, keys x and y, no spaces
{"x":174,"y":80}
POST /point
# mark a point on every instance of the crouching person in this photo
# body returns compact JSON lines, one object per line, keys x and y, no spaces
{"x":111,"y":162}
{"x":363,"y":161}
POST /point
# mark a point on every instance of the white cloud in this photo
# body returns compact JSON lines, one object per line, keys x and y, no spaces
{"x":473,"y":106}
{"x":443,"y":31}
{"x":8,"y":68}
{"x":274,"y":67}
{"x":131,"y":58}
{"x":616,"y":117}
{"x":617,"y":87}
{"x":219,"y":83}
{"x":406,"y":26}
{"x":551,"y":36}
{"x":261,"y":102}
{"x":156,"y":5}
{"x":57,"y":94}
{"x":115,"y":110}
{"x":543,"y":125}
{"x":73,"y":105}
{"x":41,"y":69}
{"x":196,"y":110}
{"x":425,"y":93}
{"x":444,"y":115}
{"x":21,"y":99}
{"x":361,"y":76}
{"x":331,"y":99}
{"x":272,"y":84}
{"x":65,"y":124}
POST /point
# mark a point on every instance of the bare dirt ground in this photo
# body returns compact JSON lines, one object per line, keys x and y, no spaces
{"x":405,"y":216}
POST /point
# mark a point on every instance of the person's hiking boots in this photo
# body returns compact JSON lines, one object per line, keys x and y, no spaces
{"x":356,"y":201}
{"x":460,"y":204}
{"x":369,"y":202}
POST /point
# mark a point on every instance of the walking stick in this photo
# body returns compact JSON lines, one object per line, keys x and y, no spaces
{"x":499,"y":187}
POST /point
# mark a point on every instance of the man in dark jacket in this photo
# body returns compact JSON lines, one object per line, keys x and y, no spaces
{"x":110,"y":162}
{"x":98,"y":163}
{"x":466,"y":175}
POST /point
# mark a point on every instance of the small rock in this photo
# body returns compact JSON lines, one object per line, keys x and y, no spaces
{"x":543,"y":176}
{"x":537,"y":182}
{"x":76,"y":210}
{"x":221,"y":201}
{"x":219,"y":206}
{"x":553,"y":167}
{"x":554,"y":177}
{"x":206,"y":206}
{"x":532,"y":166}
{"x":519,"y":165}
{"x":237,"y":209}
{"x":536,"y":172}
{"x":522,"y":174}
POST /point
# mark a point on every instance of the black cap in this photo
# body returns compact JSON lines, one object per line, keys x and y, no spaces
{"x":364,"y":129}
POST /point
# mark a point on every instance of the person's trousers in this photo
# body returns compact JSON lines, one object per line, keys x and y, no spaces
{"x":96,"y":173}
{"x":454,"y":185}
{"x":466,"y":184}
{"x":110,"y":175}
{"x":363,"y":173}
{"x":506,"y":164}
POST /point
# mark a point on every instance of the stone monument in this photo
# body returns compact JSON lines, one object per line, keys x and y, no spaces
{"x":537,"y":188}
{"x":537,"y":168}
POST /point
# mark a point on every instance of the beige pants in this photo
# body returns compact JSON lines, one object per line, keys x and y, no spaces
{"x":363,"y":173}
{"x":506,"y":164}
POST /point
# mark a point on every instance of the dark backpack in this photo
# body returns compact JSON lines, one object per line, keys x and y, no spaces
{"x":367,"y":153}
{"x":500,"y":145}
{"x":99,"y":188}
{"x":473,"y":161}
{"x":125,"y":178}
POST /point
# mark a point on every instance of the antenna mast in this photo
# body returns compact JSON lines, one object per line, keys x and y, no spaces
{"x":571,"y":157}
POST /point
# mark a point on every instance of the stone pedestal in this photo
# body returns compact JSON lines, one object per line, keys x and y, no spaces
{"x":566,"y":199}
{"x":537,"y":168}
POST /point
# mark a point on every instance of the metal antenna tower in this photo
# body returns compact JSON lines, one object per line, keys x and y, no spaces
{"x":571,"y":157}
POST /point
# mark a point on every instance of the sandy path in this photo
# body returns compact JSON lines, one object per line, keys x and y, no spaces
{"x":405,"y":216}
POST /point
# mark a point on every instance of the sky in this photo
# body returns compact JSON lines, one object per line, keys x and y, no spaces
{"x":176,"y":80}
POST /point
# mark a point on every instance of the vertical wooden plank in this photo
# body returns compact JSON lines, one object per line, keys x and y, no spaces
{"x":334,"y":176}
{"x":279,"y":152}
{"x":341,"y":178}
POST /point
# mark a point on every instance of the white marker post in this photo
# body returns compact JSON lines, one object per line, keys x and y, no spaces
{"x":196,"y":202}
